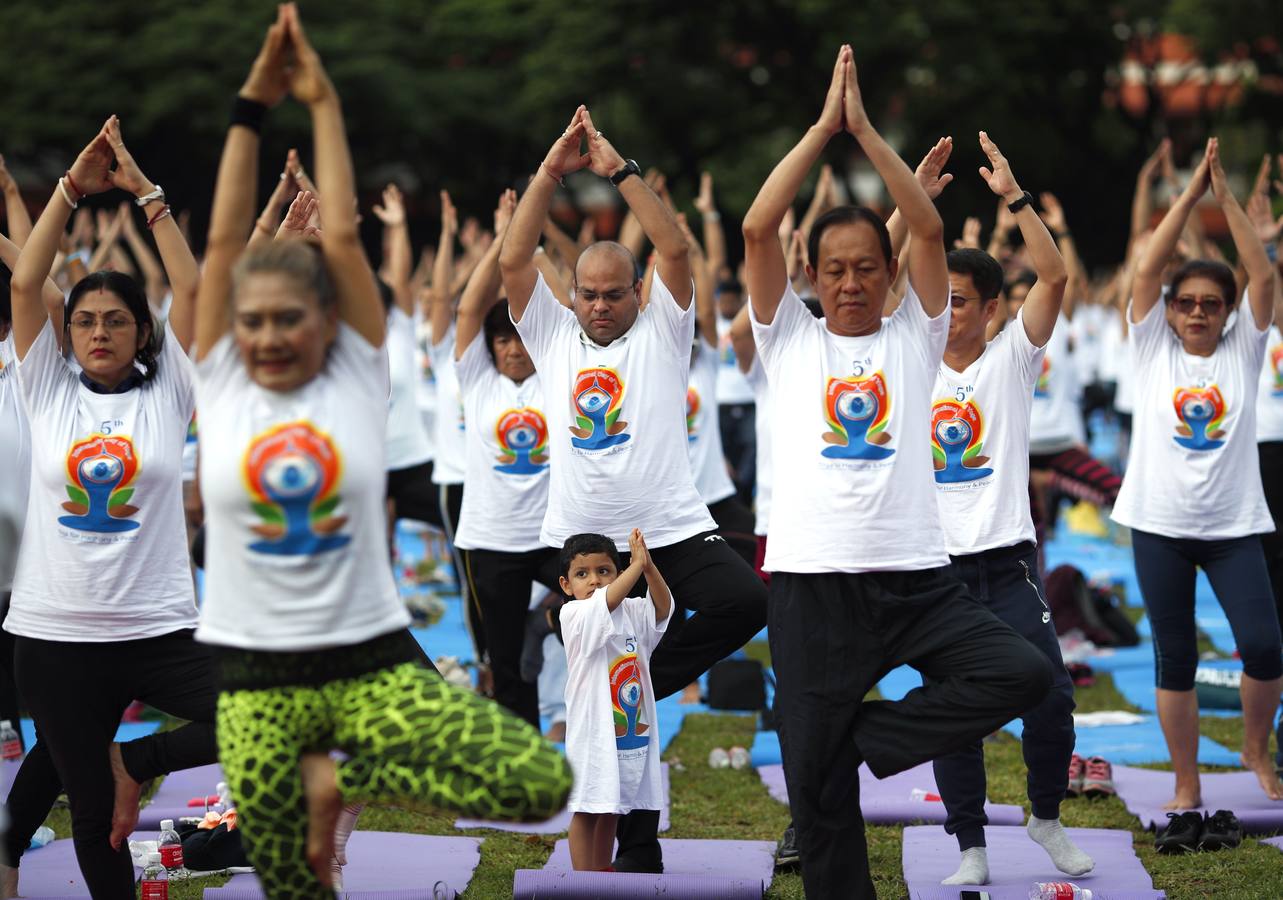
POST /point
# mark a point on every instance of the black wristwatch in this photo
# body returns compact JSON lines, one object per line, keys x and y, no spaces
{"x":630,"y":168}
{"x":1016,"y":206}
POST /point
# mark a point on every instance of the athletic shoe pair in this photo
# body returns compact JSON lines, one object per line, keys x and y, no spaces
{"x":1189,"y":831}
{"x":1091,"y":777}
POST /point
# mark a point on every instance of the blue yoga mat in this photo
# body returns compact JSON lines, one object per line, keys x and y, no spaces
{"x":126,"y":732}
{"x":898,"y":682}
{"x":1137,"y":685}
{"x":1143,"y":743}
{"x":766,"y":749}
{"x":1139,"y":657}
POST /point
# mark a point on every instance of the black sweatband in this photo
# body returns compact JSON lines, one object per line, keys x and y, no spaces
{"x":249,"y":113}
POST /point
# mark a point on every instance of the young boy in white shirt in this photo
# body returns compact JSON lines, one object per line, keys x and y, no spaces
{"x":612,"y":740}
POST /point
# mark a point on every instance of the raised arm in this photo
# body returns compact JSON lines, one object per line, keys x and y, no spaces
{"x":180,"y":264}
{"x":657,"y":220}
{"x":705,"y":287}
{"x":153,"y":276}
{"x":482,"y":289}
{"x":441,"y":312}
{"x":50,"y":293}
{"x":1268,"y":230}
{"x":1147,"y":283}
{"x":765,"y":268}
{"x":17,"y":219}
{"x":660,"y":596}
{"x":400,"y":258}
{"x":268,"y":223}
{"x":1053,"y":216}
{"x":1251,"y":251}
{"x":234,"y":189}
{"x":714,"y":236}
{"x":931,"y":175}
{"x":566,"y":247}
{"x":1143,"y":198}
{"x":1042,"y":305}
{"x":928,"y":273}
{"x":517,"y":256}
{"x":742,"y":340}
{"x":824,"y":199}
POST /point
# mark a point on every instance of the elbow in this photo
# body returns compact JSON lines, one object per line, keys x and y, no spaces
{"x":676,"y":249}
{"x":1056,"y":276}
{"x":758,"y":231}
{"x":928,"y":227}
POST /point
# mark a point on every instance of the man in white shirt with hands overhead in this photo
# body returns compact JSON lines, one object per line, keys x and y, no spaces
{"x":860,"y":579}
{"x":615,"y":378}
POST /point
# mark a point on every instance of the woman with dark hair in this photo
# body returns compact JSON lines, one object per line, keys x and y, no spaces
{"x":292,"y":383}
{"x":103,"y":609}
{"x":1192,"y":494}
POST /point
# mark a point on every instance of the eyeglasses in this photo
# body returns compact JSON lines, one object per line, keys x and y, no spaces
{"x":111,"y":323}
{"x":958,"y":302}
{"x":611,"y":296}
{"x":1211,"y":306}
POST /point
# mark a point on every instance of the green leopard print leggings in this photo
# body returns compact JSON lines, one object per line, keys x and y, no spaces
{"x":413,"y":740}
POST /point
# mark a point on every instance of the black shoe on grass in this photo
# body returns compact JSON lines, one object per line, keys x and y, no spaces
{"x":1182,"y":834}
{"x":1221,"y":831}
{"x":786,"y":855}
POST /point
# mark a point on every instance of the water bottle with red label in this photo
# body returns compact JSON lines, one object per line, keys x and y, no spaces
{"x":1058,"y":890}
{"x":10,"y":741}
{"x":155,"y":883}
{"x":171,"y":847}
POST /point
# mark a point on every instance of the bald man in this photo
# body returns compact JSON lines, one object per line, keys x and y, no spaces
{"x":615,"y":379}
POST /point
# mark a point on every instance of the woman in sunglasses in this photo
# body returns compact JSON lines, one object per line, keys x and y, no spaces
{"x":1192,"y":495}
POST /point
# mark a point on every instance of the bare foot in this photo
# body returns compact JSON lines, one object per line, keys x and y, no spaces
{"x":1263,"y":767}
{"x":8,"y":882}
{"x":690,"y":694}
{"x":1187,"y":797}
{"x":556,"y":733}
{"x":324,"y":803}
{"x":124,"y":815}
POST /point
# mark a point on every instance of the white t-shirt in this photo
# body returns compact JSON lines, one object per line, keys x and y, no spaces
{"x":1269,"y":394}
{"x":425,"y":389}
{"x":1193,"y":470}
{"x":1088,"y":331}
{"x":853,"y":488}
{"x":507,"y":477}
{"x":617,"y":419}
{"x":703,"y":431}
{"x":293,"y":483}
{"x":450,"y":442}
{"x":104,"y":551}
{"x":732,"y":386}
{"x":980,"y":444}
{"x":15,"y":450}
{"x":1112,"y":345}
{"x":408,"y":443}
{"x":1055,"y":422}
{"x":608,"y":689}
{"x":762,"y":429}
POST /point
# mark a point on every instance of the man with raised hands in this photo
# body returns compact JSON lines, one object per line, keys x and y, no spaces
{"x":980,"y":447}
{"x":615,"y":378}
{"x":860,"y":580}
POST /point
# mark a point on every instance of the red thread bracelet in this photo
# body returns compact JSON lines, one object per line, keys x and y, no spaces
{"x":160,"y":215}
{"x":75,"y":187}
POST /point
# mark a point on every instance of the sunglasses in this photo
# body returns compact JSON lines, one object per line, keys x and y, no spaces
{"x":1211,"y":306}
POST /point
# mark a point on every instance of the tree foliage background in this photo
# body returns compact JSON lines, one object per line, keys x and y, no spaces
{"x":467,"y":94}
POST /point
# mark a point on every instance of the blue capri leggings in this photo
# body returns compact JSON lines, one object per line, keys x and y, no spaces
{"x":1236,"y":568}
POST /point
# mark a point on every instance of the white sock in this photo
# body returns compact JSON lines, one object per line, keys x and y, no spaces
{"x":974,"y":868}
{"x":1050,"y":834}
{"x":343,"y":830}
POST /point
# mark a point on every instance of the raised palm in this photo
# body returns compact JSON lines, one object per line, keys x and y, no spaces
{"x":91,"y":171}
{"x":564,"y":156}
{"x":930,"y":172}
{"x":999,"y":177}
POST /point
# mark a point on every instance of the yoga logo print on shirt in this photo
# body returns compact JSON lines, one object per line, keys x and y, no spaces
{"x":957,"y":434}
{"x":1275,"y":356}
{"x":100,"y":472}
{"x":857,"y":410}
{"x":1201,"y":412}
{"x":726,"y":351}
{"x":523,"y":438}
{"x":1044,"y":377}
{"x":626,"y":696}
{"x":292,"y":472}
{"x":597,"y":399}
{"x":692,"y":410}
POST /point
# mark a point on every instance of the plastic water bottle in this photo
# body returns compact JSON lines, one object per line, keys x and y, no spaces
{"x":739,"y":758}
{"x":171,"y":847}
{"x":1058,"y":890}
{"x":44,"y":835}
{"x":155,"y":883}
{"x":222,"y":804}
{"x":924,"y":795}
{"x":10,"y":741}
{"x":719,"y":758}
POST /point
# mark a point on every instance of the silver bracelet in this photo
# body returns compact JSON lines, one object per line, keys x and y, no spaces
{"x":66,"y":195}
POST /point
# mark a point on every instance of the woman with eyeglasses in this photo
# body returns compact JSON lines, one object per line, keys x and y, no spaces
{"x":1192,"y":494}
{"x":103,"y":608}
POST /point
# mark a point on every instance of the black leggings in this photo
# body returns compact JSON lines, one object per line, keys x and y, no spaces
{"x":1166,"y":568}
{"x":77,"y":693}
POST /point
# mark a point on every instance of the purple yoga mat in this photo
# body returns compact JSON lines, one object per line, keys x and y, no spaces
{"x":389,"y":865}
{"x":1275,"y":842}
{"x":1144,"y":791}
{"x":170,"y":799}
{"x":1016,"y":862}
{"x":888,"y":801}
{"x":559,"y":823}
{"x":52,"y":871}
{"x":692,"y":868}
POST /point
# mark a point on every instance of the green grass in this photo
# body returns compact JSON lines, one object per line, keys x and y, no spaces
{"x":729,"y":804}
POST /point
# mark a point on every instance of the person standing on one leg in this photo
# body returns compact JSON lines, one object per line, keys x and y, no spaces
{"x":860,"y":579}
{"x":615,"y":379}
{"x":980,"y":448}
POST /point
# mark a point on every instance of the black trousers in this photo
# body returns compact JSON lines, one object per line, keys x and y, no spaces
{"x":77,"y":693}
{"x":736,"y":422}
{"x":499,"y":585}
{"x":1006,"y":581}
{"x":9,"y":702}
{"x":1271,"y":454}
{"x":833,"y":636}
{"x":414,"y":496}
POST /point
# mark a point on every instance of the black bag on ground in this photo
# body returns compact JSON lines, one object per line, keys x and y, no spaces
{"x":737,"y":684}
{"x":1074,"y":604}
{"x":1114,"y":619}
{"x":213,"y":849}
